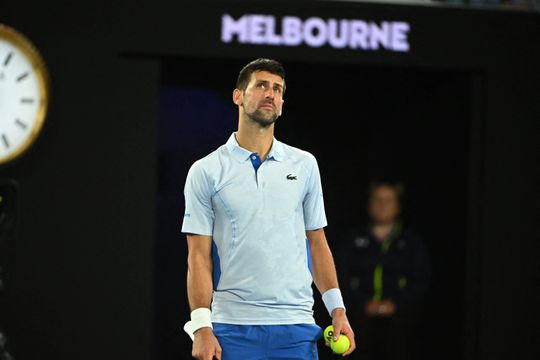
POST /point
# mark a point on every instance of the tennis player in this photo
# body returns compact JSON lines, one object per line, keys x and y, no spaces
{"x":254,"y":220}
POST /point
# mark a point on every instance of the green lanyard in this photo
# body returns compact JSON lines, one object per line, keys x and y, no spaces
{"x":378,"y":272}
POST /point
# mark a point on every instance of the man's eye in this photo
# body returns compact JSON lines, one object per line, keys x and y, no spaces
{"x":262,"y":85}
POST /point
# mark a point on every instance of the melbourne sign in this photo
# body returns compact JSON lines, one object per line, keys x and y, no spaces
{"x":316,"y":32}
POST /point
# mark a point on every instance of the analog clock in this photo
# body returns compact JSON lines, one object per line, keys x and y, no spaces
{"x":24,"y":93}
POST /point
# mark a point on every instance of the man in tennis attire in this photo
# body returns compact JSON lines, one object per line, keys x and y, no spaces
{"x":254,"y":221}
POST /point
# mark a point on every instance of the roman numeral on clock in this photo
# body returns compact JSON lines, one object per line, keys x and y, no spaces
{"x":22,"y":77}
{"x":8,"y":59}
{"x":5,"y":140}
{"x":21,"y":124}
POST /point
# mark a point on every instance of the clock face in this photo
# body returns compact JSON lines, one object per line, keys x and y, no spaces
{"x":23,"y":94}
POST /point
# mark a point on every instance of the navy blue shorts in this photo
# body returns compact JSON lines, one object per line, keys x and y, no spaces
{"x":268,"y":342}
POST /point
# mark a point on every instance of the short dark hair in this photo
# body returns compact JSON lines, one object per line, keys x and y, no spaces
{"x":261,"y":64}
{"x":398,"y":188}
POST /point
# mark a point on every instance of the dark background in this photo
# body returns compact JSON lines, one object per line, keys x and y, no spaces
{"x":85,"y":276}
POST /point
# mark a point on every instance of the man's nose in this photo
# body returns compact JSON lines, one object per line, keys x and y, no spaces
{"x":270,"y":93}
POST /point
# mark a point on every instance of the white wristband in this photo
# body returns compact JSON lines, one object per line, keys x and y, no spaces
{"x":332,"y":300}
{"x":201,"y":317}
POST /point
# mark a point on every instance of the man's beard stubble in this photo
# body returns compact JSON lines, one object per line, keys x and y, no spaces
{"x":263,"y":120}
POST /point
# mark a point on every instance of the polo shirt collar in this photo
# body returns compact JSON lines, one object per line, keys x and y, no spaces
{"x":277,"y":151}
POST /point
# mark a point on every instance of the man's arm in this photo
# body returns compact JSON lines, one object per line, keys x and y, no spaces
{"x":199,"y":289}
{"x":199,"y":278}
{"x":325,"y":278}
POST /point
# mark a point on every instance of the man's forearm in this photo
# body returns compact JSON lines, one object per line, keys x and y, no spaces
{"x":199,"y":281}
{"x":324,"y":269}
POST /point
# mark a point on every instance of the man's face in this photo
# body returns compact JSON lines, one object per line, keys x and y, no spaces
{"x":383,"y":205}
{"x":262,"y":100}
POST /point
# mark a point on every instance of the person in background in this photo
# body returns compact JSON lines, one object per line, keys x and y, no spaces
{"x":387,"y":273}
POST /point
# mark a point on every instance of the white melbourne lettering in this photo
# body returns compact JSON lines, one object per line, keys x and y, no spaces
{"x":261,"y":29}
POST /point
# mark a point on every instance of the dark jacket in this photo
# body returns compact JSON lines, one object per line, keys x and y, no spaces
{"x":397,"y":269}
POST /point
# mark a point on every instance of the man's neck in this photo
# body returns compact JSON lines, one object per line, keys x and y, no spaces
{"x":254,"y":138}
{"x":382,"y":230}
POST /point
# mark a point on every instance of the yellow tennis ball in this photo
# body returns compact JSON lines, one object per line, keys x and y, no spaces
{"x":341,"y":345}
{"x":329,"y":333}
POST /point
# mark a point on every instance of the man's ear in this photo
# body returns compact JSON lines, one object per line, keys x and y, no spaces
{"x":237,"y":97}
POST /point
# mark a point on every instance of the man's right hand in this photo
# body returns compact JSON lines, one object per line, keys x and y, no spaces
{"x":206,"y":345}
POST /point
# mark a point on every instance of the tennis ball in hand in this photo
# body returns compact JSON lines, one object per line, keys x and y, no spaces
{"x":339,"y":346}
{"x":328,"y":333}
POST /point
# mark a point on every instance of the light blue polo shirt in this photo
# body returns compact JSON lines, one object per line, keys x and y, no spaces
{"x":258,"y":221}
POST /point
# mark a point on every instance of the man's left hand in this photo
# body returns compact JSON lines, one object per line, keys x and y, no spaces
{"x":341,"y":326}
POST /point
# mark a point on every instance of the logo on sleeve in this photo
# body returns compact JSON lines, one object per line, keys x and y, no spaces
{"x":291,"y":177}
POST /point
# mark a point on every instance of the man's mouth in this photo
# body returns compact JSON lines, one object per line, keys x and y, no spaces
{"x":267,"y":106}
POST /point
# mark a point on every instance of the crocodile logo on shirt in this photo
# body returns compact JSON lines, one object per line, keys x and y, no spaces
{"x":291,"y":177}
